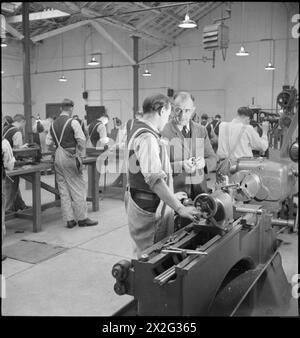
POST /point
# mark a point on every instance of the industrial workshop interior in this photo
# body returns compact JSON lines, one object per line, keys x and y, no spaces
{"x":149,"y":159}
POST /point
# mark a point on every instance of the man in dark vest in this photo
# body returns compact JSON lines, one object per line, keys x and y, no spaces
{"x":149,"y":197}
{"x":13,"y":134}
{"x":97,"y":131}
{"x":67,"y":136}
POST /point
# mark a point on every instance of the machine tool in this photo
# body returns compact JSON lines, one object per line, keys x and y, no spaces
{"x":224,"y":263}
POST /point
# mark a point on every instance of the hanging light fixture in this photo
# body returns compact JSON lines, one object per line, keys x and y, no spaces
{"x":242,"y":51}
{"x":270,"y":65}
{"x":62,"y":78}
{"x":3,"y":42}
{"x":187,"y":22}
{"x":93,"y":62}
{"x":146,"y":73}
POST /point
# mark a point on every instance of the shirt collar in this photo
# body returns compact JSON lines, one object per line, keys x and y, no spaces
{"x":150,"y":124}
{"x":64,"y":113}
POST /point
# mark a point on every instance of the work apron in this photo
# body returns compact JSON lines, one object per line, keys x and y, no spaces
{"x":70,"y":181}
{"x":147,"y":228}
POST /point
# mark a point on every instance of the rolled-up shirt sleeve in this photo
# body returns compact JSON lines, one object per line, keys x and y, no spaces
{"x":102,"y":133}
{"x":17,"y":139}
{"x":257,"y":142}
{"x":80,"y":138}
{"x":8,"y":157}
{"x":147,"y":152}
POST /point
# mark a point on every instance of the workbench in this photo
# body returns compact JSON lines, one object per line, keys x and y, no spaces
{"x":32,"y":174}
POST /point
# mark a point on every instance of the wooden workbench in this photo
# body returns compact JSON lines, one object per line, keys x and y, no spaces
{"x":32,"y":174}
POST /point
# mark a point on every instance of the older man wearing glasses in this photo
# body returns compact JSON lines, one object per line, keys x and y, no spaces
{"x":191,"y":153}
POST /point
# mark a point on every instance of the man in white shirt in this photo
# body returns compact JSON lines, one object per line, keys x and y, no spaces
{"x":13,"y":134}
{"x":239,"y":136}
{"x":8,"y":162}
{"x":97,"y":133}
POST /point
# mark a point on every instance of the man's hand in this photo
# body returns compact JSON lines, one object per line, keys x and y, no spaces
{"x":189,"y":165}
{"x":24,"y":145}
{"x":188,"y":212}
{"x":200,"y":162}
{"x":180,"y":195}
{"x":265,"y":127}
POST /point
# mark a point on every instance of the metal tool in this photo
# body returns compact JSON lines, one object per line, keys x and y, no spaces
{"x":176,"y":250}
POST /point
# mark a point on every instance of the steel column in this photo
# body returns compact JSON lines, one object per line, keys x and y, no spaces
{"x":135,"y":74}
{"x":26,"y":72}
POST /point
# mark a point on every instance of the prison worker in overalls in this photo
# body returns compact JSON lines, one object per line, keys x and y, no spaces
{"x":68,"y":137}
{"x":149,"y":198}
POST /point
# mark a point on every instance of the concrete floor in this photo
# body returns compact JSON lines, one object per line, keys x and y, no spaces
{"x":78,"y":282}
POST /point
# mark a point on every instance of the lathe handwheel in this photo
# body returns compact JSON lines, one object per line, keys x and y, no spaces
{"x":206,"y":205}
{"x":120,"y":288}
{"x":120,"y":270}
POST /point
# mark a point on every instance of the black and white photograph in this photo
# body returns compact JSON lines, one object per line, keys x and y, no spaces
{"x":149,"y":162}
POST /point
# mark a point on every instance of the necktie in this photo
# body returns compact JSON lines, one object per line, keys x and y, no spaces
{"x":185,"y":132}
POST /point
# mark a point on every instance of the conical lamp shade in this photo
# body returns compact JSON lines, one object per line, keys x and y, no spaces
{"x":187,"y":23}
{"x":269,"y":66}
{"x":242,"y":52}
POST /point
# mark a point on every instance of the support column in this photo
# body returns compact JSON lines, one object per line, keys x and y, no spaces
{"x":135,"y":74}
{"x":26,"y":72}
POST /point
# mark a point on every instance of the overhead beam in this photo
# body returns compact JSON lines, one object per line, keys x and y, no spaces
{"x":55,"y":13}
{"x":145,"y":34}
{"x":59,"y":31}
{"x":13,"y":32}
{"x":109,"y":38}
{"x":168,"y":13}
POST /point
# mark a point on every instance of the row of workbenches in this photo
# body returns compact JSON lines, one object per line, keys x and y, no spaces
{"x":32,"y":174}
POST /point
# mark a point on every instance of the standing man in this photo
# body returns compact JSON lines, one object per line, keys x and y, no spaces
{"x":97,"y":131}
{"x":238,"y":138}
{"x":213,"y":131}
{"x":66,"y":134}
{"x":8,"y":162}
{"x":149,"y":198}
{"x":191,"y":153}
{"x":13,"y":134}
{"x":204,"y":120}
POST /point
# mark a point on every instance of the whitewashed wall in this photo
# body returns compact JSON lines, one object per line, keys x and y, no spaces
{"x":230,"y":84}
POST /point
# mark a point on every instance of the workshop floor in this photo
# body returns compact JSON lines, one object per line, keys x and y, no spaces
{"x":78,"y":282}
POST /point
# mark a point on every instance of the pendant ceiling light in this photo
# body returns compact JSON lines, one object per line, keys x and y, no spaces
{"x":3,"y":42}
{"x":269,"y":66}
{"x":187,"y":22}
{"x":93,"y":62}
{"x":62,"y":79}
{"x":146,"y":73}
{"x":242,"y":51}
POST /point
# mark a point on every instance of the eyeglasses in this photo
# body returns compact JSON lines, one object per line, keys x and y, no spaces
{"x":177,"y":110}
